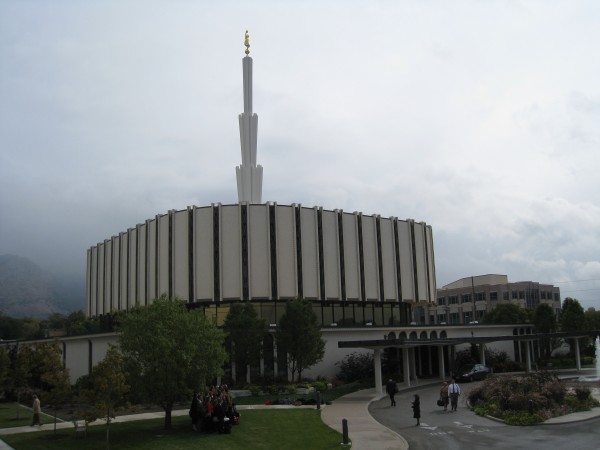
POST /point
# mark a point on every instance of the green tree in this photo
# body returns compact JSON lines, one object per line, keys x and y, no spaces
{"x":592,"y":319}
{"x":53,"y":375}
{"x":504,"y":314}
{"x":299,"y":334}
{"x":170,"y":352}
{"x":246,"y":332}
{"x":10,"y":328}
{"x":572,"y":317}
{"x":4,"y":367}
{"x":108,"y":388}
{"x":545,"y":321}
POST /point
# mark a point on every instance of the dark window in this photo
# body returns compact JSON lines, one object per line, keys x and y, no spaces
{"x":441,"y":301}
{"x":479,"y":296}
{"x":493,"y":296}
{"x":465,"y":298}
{"x":505,"y":295}
{"x":452,"y":300}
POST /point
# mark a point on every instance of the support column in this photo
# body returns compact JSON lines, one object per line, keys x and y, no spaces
{"x":429,"y":361}
{"x":248,"y":374}
{"x":275,"y":364}
{"x":482,"y":353}
{"x":377,"y":363}
{"x":413,"y":363}
{"x":405,"y":366}
{"x":527,"y":357}
{"x":577,"y":357}
{"x":441,"y":367}
{"x":233,"y":371}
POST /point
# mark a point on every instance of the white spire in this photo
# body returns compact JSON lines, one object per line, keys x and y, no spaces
{"x":249,"y":174}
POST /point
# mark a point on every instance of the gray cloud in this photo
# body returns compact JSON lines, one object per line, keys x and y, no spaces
{"x":479,"y":118}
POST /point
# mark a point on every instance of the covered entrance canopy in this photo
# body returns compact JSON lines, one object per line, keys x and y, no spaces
{"x":407,"y":344}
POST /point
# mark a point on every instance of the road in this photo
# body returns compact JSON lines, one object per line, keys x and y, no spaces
{"x":465,"y":430}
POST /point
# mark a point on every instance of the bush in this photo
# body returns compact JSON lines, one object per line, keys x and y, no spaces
{"x":356,"y":367}
{"x":254,"y":389}
{"x":320,"y":386}
{"x":582,"y":393}
{"x":554,"y":390}
{"x":522,"y":418}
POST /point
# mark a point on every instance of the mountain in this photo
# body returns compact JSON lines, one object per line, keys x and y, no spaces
{"x":27,"y":291}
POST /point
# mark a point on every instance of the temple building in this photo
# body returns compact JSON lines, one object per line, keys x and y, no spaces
{"x":359,"y":270}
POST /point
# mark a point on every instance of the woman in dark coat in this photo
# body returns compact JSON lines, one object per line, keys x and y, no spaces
{"x":195,"y":412}
{"x":416,"y":406}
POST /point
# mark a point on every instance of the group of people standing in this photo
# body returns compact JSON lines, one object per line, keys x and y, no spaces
{"x":214,"y":410}
{"x":448,"y":395}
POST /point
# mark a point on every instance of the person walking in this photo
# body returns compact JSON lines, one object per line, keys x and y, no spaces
{"x":37,"y":410}
{"x":391,"y":389}
{"x":444,"y":395}
{"x":416,"y":406}
{"x":454,"y":392}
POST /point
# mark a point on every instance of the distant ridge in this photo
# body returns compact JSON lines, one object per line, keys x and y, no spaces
{"x":27,"y":291}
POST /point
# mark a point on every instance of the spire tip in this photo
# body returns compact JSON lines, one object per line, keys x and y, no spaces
{"x":247,"y":42}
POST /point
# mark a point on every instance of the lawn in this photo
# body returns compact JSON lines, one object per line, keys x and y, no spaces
{"x":259,"y":429}
{"x":8,"y":416}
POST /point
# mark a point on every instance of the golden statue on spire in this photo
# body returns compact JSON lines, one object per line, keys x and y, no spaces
{"x":247,"y":42}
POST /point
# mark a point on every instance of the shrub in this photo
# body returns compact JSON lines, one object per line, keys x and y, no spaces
{"x":356,"y":367}
{"x":320,"y":386}
{"x":554,"y":390}
{"x":582,"y":393}
{"x":254,"y":389}
{"x":522,"y":418}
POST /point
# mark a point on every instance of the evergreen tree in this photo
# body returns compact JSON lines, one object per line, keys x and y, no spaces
{"x":245,"y":332}
{"x":299,"y":334}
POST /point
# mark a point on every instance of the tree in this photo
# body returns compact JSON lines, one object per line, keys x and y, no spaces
{"x":505,"y":314}
{"x":108,"y":388}
{"x":572,"y":317}
{"x":54,"y":376}
{"x":592,"y":319}
{"x":4,"y":367}
{"x":299,"y":334}
{"x":246,"y":332}
{"x":170,"y":352}
{"x":544,"y":320}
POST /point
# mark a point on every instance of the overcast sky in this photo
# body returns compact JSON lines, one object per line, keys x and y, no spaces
{"x":480,"y":118}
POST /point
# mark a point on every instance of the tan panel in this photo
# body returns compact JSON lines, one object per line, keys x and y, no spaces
{"x":420,"y":260}
{"x":388,"y":259}
{"x":371,"y":263}
{"x":132,"y":283}
{"x":310,"y":253}
{"x":406,"y":262}
{"x":181,"y":257}
{"x":141,"y":272}
{"x":259,"y":256}
{"x":287,"y":285}
{"x":151,"y":258}
{"x":163,"y":255}
{"x":331,"y":256}
{"x":203,"y":254}
{"x":351,"y":256}
{"x":124,"y":247}
{"x":231,"y":253}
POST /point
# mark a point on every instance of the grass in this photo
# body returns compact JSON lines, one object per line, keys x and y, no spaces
{"x":259,"y":429}
{"x":8,"y":416}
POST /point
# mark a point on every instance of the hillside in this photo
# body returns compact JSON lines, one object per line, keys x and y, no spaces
{"x":27,"y":291}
